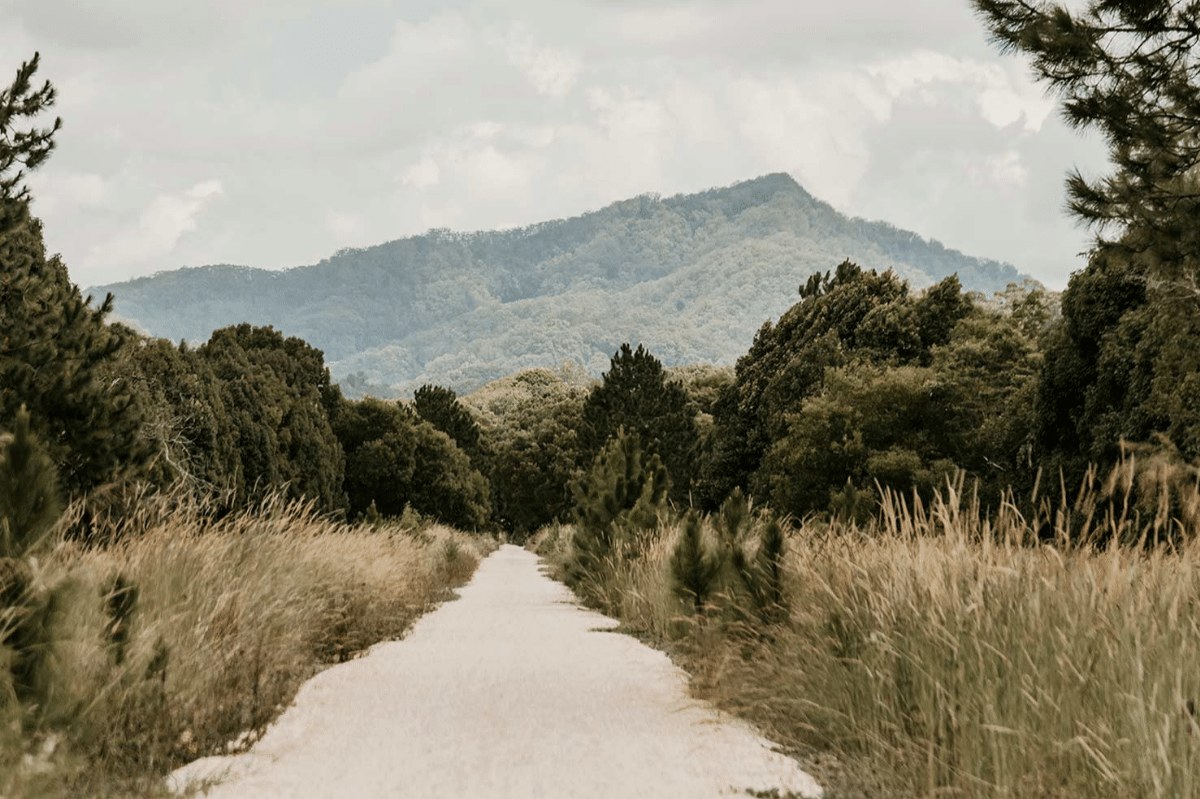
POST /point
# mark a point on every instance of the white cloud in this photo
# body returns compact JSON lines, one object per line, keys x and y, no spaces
{"x":364,"y":120}
{"x":422,"y":175}
{"x":551,"y":71}
{"x":168,"y":217}
{"x":55,"y":191}
{"x":346,"y":228}
{"x":811,"y":124}
{"x":1005,"y":169}
{"x":1001,"y":96}
{"x":658,"y":26}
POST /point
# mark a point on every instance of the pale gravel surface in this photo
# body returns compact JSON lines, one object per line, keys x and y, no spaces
{"x":510,"y":691}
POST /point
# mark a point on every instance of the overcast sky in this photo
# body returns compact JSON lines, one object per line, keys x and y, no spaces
{"x":274,"y":132}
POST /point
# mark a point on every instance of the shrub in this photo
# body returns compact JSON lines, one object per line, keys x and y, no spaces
{"x":694,"y":569}
{"x":618,"y":501}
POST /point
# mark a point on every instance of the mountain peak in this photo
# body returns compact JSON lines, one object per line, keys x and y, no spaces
{"x":778,"y":181}
{"x":691,"y":276}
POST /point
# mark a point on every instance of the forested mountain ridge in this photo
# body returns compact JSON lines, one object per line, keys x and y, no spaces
{"x":691,"y":276}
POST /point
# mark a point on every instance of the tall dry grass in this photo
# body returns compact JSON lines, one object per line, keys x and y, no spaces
{"x":943,"y":652}
{"x":231,"y":617}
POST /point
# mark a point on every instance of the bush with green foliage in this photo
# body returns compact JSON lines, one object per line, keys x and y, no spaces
{"x":531,"y":422}
{"x":694,"y":567}
{"x":394,"y":459}
{"x":617,"y":503}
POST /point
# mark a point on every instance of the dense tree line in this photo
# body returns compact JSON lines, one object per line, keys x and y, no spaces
{"x":248,"y":414}
{"x":861,"y":386}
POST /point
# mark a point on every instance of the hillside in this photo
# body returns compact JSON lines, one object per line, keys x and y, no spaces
{"x":690,"y":276}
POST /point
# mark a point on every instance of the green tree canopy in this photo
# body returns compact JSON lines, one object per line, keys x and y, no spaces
{"x":635,"y":396}
{"x":440,"y":407}
{"x":531,"y":423}
{"x":276,"y":393}
{"x":185,"y":420}
{"x":394,"y":458}
{"x":849,"y":315}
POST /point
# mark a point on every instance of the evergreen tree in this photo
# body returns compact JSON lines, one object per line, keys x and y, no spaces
{"x":1127,"y":68}
{"x":1123,"y":363}
{"x":694,"y":568}
{"x":441,"y":408}
{"x":761,"y":575}
{"x":181,"y":401}
{"x":636,"y":396}
{"x":619,"y":499}
{"x":29,"y":498}
{"x":278,"y":396}
{"x":53,"y":344}
{"x":22,"y":149}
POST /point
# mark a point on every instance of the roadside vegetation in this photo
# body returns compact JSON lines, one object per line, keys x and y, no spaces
{"x":934,"y":650}
{"x":942,"y":546}
{"x":189,"y":637}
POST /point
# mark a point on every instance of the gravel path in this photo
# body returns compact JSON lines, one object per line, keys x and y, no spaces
{"x":510,"y":691}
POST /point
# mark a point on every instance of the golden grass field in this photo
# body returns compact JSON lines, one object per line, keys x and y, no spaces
{"x":230,"y":618}
{"x":937,"y":652}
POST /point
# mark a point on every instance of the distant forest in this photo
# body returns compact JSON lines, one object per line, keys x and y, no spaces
{"x":691,"y":277}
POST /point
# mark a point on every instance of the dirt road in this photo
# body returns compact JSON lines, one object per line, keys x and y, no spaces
{"x":510,"y":691}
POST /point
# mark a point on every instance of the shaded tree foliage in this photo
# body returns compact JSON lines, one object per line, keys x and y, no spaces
{"x":441,"y":408}
{"x":276,"y":392}
{"x":848,"y":316}
{"x":530,"y":422}
{"x":395,"y":459}
{"x":635,"y":396}
{"x":185,"y":421}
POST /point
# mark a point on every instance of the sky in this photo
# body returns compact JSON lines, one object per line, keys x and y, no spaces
{"x":277,"y":132}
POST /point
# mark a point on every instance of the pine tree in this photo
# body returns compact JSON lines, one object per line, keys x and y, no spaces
{"x":694,"y":569}
{"x":1124,"y":361}
{"x":733,"y":515}
{"x":619,"y":499}
{"x":53,"y":343}
{"x":29,"y":498}
{"x":278,"y":399}
{"x":761,"y":576}
{"x":1129,"y":70}
{"x":22,"y":149}
{"x":441,"y":408}
{"x":636,"y":396}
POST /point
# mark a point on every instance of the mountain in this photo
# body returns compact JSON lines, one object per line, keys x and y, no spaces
{"x":691,"y":276}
